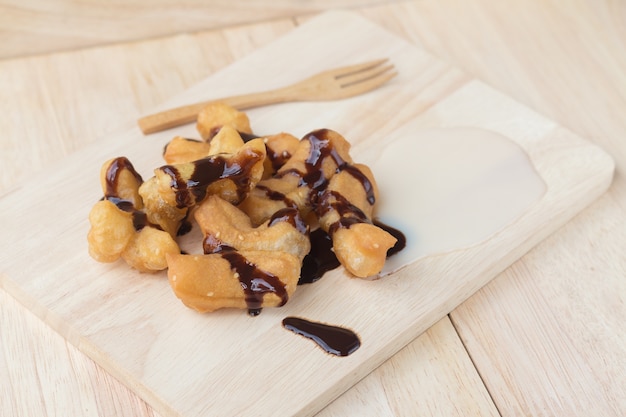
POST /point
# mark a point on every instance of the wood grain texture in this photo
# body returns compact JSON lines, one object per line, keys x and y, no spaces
{"x":47,"y":121}
{"x":43,"y":375}
{"x":566,"y":62}
{"x":548,"y":335}
{"x":411,"y":380}
{"x":80,"y":113}
{"x":110,"y":86}
{"x":34,"y":26}
{"x":74,"y":98}
{"x":566,"y":195}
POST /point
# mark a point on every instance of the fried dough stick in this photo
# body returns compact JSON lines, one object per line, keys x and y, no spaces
{"x":231,"y":176}
{"x":245,"y":279}
{"x":345,"y":211}
{"x":302,"y":177}
{"x":243,"y":266}
{"x":120,"y":226}
{"x":321,"y":180}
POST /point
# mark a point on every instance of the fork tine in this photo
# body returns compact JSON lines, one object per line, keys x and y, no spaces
{"x":371,"y":83}
{"x":363,"y":75}
{"x":352,"y":69}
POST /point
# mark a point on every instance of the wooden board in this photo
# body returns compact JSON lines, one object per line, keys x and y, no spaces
{"x":227,"y":363}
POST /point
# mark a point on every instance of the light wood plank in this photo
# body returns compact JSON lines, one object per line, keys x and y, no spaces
{"x":41,"y":374}
{"x":597,"y":23}
{"x":47,"y":121}
{"x":548,"y":335}
{"x":33,"y":27}
{"x":432,"y":376}
{"x":145,"y":78}
{"x":150,"y":366}
{"x":546,"y":339}
{"x":95,"y":91}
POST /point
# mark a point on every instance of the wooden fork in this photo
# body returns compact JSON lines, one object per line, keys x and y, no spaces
{"x":333,"y":84}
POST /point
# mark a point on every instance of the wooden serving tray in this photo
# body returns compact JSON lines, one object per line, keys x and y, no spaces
{"x":227,"y":363}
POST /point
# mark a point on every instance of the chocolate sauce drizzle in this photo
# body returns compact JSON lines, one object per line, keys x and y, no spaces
{"x":185,"y":225}
{"x":320,"y":149}
{"x":277,"y":159}
{"x":400,"y":237}
{"x":112,"y":178}
{"x":322,"y":259}
{"x":365,"y":182}
{"x":275,"y":195}
{"x":348,"y":212}
{"x":292,"y":216}
{"x":319,"y":260}
{"x":255,"y":282}
{"x":208,"y":170}
{"x":247,"y":137}
{"x":334,"y":340}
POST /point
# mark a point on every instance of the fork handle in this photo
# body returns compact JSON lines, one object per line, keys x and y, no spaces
{"x":187,"y":114}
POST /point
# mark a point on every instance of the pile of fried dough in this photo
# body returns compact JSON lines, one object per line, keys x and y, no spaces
{"x":255,"y":199}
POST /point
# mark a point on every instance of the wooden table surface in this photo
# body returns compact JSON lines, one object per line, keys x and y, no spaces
{"x":545,"y":338}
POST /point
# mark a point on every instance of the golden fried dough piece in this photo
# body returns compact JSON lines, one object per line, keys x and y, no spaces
{"x":243,"y":170}
{"x":230,"y":176}
{"x":227,"y":227}
{"x":226,"y":141}
{"x":351,"y":193}
{"x":148,"y":248}
{"x":316,"y":159}
{"x":322,"y":149}
{"x":119,"y":225}
{"x":362,"y":248}
{"x":280,"y":148}
{"x":344,"y":210}
{"x":216,"y":115}
{"x":180,"y":150}
{"x":111,"y":231}
{"x":246,"y":279}
{"x":166,"y":216}
{"x":112,"y":218}
{"x":321,"y":181}
{"x":268,"y":197}
{"x":245,"y":267}
{"x":113,"y":235}
{"x":120,"y":181}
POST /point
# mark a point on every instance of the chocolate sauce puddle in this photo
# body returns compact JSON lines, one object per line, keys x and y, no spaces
{"x":334,"y":340}
{"x":319,"y":260}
